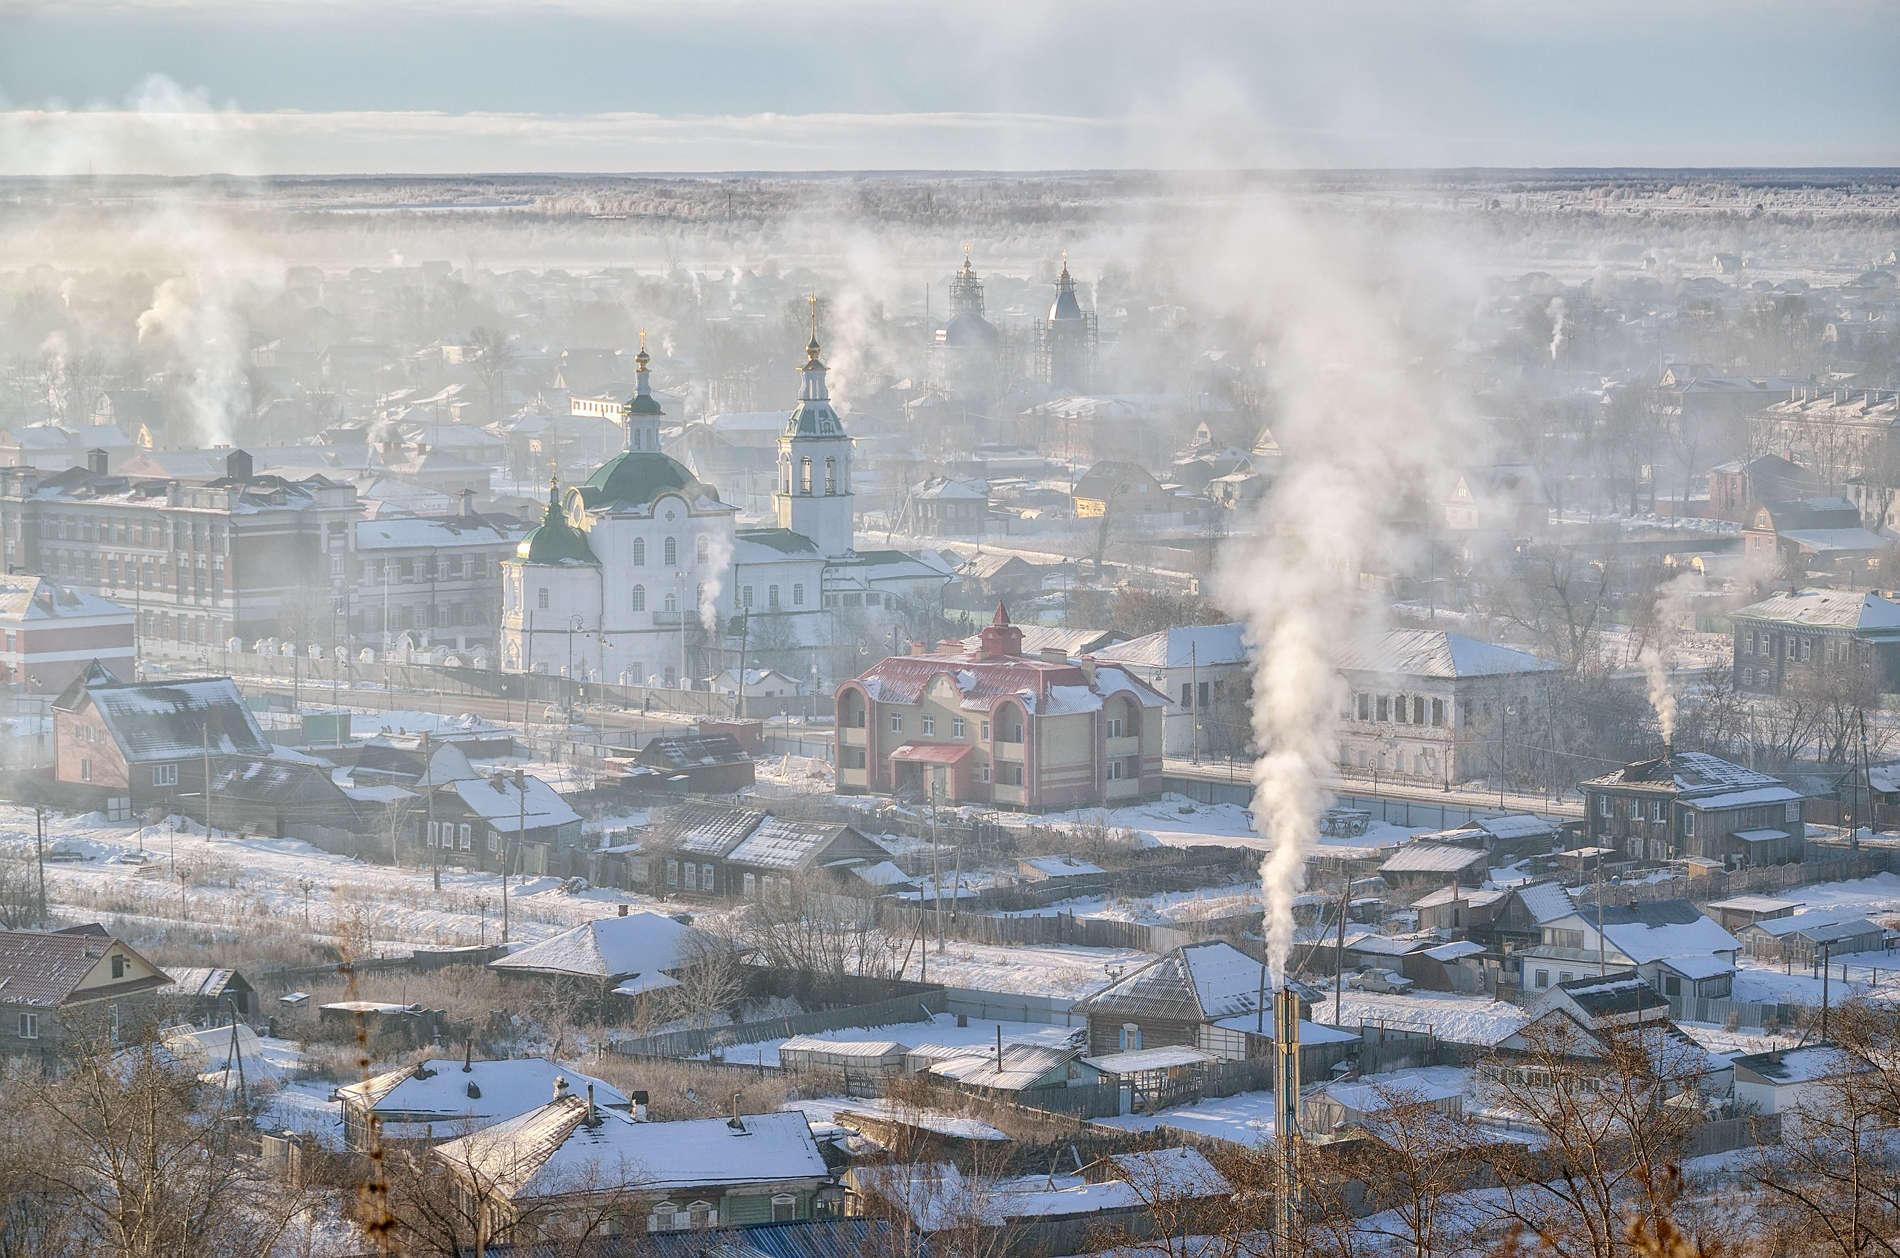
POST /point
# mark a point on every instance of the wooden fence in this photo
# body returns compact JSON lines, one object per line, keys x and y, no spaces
{"x":1762,"y":878}
{"x":922,"y":1007}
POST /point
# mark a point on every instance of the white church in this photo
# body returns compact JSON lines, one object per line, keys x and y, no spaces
{"x":641,"y":575}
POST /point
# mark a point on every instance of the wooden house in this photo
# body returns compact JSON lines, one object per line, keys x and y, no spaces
{"x":62,"y":988}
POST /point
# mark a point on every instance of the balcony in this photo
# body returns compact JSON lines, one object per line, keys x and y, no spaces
{"x":1119,"y":747}
{"x":853,"y":736}
{"x":1010,"y":794}
{"x":1004,"y":749}
{"x":1122,"y":788}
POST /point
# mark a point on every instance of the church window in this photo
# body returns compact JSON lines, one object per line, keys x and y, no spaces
{"x":702,"y":548}
{"x":639,"y":552}
{"x":672,"y":602}
{"x":771,"y":597}
{"x":831,"y":476}
{"x":745,"y":596}
{"x":639,"y":598}
{"x":798,"y":595}
{"x":671,"y":552}
{"x":541,"y":598}
{"x":804,"y":476}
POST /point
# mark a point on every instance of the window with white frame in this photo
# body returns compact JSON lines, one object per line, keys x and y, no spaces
{"x":1114,"y":727}
{"x":639,"y":598}
{"x":798,"y":594}
{"x":702,"y":548}
{"x":1603,"y":806}
{"x":930,"y":723}
{"x":897,"y":722}
{"x":639,"y":552}
{"x":1688,"y":824}
{"x":771,"y":597}
{"x":467,"y":836}
{"x":956,"y":727}
{"x":29,"y":1026}
{"x":494,"y":841}
{"x":692,"y":876}
{"x":784,"y":1208}
{"x":672,"y":872}
{"x":164,"y":775}
{"x":705,"y":878}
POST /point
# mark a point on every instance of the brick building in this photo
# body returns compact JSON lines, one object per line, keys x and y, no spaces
{"x":50,"y":632}
{"x":236,"y":556}
{"x":997,"y":726}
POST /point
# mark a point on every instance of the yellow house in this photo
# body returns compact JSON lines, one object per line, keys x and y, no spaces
{"x":993,"y":725}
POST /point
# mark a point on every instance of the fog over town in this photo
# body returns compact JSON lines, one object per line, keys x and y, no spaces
{"x":1083,"y":648}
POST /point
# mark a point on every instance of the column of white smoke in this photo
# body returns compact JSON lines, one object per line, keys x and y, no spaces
{"x":1672,"y":606}
{"x":712,"y":581}
{"x":1354,"y":339}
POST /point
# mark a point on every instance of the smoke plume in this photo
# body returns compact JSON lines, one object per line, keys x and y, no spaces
{"x":713,"y":581}
{"x":1672,"y":606}
{"x":1557,"y":311}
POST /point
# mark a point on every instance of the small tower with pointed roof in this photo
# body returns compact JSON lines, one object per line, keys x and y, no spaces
{"x":643,"y":413}
{"x":814,"y":462}
{"x":1068,"y":336}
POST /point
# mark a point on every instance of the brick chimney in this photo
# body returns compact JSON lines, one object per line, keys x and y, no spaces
{"x":96,"y":462}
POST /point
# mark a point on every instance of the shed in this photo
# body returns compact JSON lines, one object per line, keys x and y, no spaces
{"x":868,"y":1058}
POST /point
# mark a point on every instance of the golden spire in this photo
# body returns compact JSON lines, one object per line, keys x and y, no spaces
{"x":641,"y":358}
{"x":811,"y":347}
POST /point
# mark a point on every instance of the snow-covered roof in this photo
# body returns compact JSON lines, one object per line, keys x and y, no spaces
{"x":1699,"y":779}
{"x":1546,"y":901}
{"x":1439,"y":653}
{"x":170,"y":720}
{"x":445,"y":1090}
{"x":1062,"y":866}
{"x":24,"y":598}
{"x":1800,"y":1065}
{"x":1862,"y":610}
{"x":506,"y":808}
{"x":609,"y":948}
{"x":1183,"y":647}
{"x":423,"y":532}
{"x":1662,"y":929}
{"x":1425,"y":858}
{"x":1198,"y":982}
{"x":1137,"y":1060}
{"x":558,"y":1148}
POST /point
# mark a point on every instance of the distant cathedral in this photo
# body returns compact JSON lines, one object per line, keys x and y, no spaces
{"x":1066,"y":357}
{"x":640,"y":575}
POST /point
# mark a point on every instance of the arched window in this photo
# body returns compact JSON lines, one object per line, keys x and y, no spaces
{"x":639,"y":598}
{"x":671,"y":551}
{"x":771,"y":597}
{"x":785,"y":474}
{"x":831,"y":476}
{"x":804,"y":476}
{"x":639,"y":552}
{"x":702,"y":548}
{"x":672,"y":602}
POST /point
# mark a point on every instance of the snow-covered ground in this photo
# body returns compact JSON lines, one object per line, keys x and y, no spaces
{"x":942,"y":1029}
{"x":259,"y":884}
{"x":1164,"y":909}
{"x":1868,"y":897}
{"x":1246,"y":1118}
{"x":1063,"y":971}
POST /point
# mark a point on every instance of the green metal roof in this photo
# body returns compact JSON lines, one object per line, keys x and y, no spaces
{"x":554,"y":540}
{"x":636,"y":478}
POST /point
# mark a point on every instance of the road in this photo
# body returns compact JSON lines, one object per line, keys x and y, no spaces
{"x":1235,"y":774}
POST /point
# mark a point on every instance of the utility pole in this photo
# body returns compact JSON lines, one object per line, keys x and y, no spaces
{"x":1339,"y":950}
{"x":509,"y":849}
{"x":1827,"y":951}
{"x":936,"y":859}
{"x":1194,"y":698}
{"x":39,"y":853}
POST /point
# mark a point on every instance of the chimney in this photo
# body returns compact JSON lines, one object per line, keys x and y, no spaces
{"x":639,"y":1106}
{"x":591,"y":1117}
{"x":735,"y":1122}
{"x":1053,"y":655}
{"x":999,"y":1046}
{"x":467,"y":508}
{"x":468,"y":1054}
{"x":560,"y":1087}
{"x":950,"y":646}
{"x":916,"y":648}
{"x":96,"y":462}
{"x":623,"y":911}
{"x":238,"y":465}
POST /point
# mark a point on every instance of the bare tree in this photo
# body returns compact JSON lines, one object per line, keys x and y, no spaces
{"x":494,"y":358}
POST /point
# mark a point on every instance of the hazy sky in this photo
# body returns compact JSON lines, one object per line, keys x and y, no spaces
{"x":266,"y":86}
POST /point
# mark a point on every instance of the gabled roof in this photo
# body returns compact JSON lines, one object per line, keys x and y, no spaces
{"x":1198,"y":982}
{"x":1688,"y":774}
{"x":534,"y":805}
{"x":168,"y":720}
{"x":692,"y":751}
{"x":1612,"y":995}
{"x":34,"y":599}
{"x":1658,"y":929}
{"x":43,"y":969}
{"x":1545,"y":901}
{"x":608,"y":948}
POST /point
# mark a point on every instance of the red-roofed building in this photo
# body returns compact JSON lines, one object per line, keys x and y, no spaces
{"x":993,"y":725}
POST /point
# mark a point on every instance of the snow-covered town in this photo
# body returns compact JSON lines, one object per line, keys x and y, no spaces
{"x":946,"y":669}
